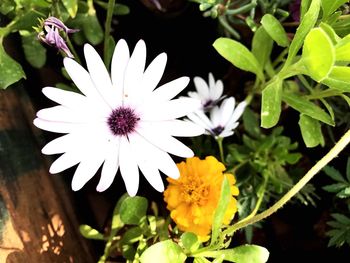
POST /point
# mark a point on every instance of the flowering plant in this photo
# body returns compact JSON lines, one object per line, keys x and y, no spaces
{"x":120,"y":112}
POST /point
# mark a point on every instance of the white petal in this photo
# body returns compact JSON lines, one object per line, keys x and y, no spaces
{"x":170,"y":89}
{"x":176,"y":128}
{"x":119,"y":63}
{"x":146,"y":163}
{"x":238,"y":112}
{"x":225,"y":134}
{"x":128,"y":167}
{"x":211,"y":82}
{"x":53,"y":126}
{"x":217,"y":91}
{"x":227,"y":107}
{"x":201,"y":87}
{"x":134,"y":71}
{"x":170,"y":110}
{"x":86,"y":170}
{"x":193,"y":95}
{"x":201,"y":119}
{"x":61,"y":144}
{"x":153,"y":73}
{"x":99,"y":74}
{"x":66,"y":98}
{"x":83,"y":81}
{"x":165,"y":142}
{"x":61,"y":114}
{"x":215,"y":116}
{"x":110,"y":166}
{"x":65,"y":161}
{"x":231,"y":126}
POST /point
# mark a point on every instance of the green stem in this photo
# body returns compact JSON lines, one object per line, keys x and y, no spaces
{"x":242,"y":9}
{"x":344,"y":141}
{"x":72,"y":49}
{"x":225,"y":24}
{"x":108,"y":23}
{"x":221,"y":148}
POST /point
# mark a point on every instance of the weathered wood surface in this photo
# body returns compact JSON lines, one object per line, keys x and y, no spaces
{"x":37,"y":221}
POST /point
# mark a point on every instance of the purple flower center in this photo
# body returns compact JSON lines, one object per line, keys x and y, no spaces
{"x":217,"y":130}
{"x":122,"y":121}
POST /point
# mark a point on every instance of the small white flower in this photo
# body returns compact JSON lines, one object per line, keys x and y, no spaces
{"x":223,"y":120}
{"x":209,"y":93}
{"x":118,"y":121}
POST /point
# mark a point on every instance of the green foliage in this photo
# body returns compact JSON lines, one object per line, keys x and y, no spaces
{"x":341,"y":187}
{"x":274,"y":28}
{"x":34,"y":52}
{"x":340,"y":233}
{"x":165,"y":251}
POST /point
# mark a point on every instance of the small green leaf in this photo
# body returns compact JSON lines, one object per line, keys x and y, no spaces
{"x":307,"y":107}
{"x":271,"y":104}
{"x":341,"y":218}
{"x":334,"y":188}
{"x":166,"y":252}
{"x":307,"y":23}
{"x":220,"y":210}
{"x":330,"y":32}
{"x":92,"y":29}
{"x":238,"y":55}
{"x":304,"y":6}
{"x":251,"y":123}
{"x":26,"y":21}
{"x":342,"y":49}
{"x":71,"y":6}
{"x":34,"y":52}
{"x":241,"y":254}
{"x":109,"y":51}
{"x":338,"y":80}
{"x":6,"y":6}
{"x":190,"y":241}
{"x":329,"y":6}
{"x":10,"y":70}
{"x":262,"y":45}
{"x":276,"y":31}
{"x":334,"y":174}
{"x":318,"y":54}
{"x":311,"y":131}
{"x":90,"y":233}
{"x":132,"y":235}
{"x":132,"y":209}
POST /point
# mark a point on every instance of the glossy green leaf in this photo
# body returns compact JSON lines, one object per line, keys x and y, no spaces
{"x":274,"y":28}
{"x":10,"y":70}
{"x":307,"y":23}
{"x":241,"y":254}
{"x":271,"y":104}
{"x":166,"y":252}
{"x":307,"y":107}
{"x":132,"y":209}
{"x":220,"y":210}
{"x":329,"y":6}
{"x":318,"y":54}
{"x":71,"y":6}
{"x":116,"y":221}
{"x":342,"y":49}
{"x":238,"y":55}
{"x":92,"y":29}
{"x":90,"y":233}
{"x":262,"y":45}
{"x":311,"y":131}
{"x":34,"y":52}
{"x":190,"y":241}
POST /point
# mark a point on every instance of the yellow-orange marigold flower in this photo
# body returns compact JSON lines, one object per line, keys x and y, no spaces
{"x":193,"y":198}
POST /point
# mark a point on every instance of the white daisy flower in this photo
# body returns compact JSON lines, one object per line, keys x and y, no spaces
{"x":209,"y":93}
{"x":223,"y":120}
{"x":118,"y":121}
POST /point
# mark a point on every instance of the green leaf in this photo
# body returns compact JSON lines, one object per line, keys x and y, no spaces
{"x":311,"y":131}
{"x":10,"y":70}
{"x":190,"y":241}
{"x":132,"y":235}
{"x":241,"y":254}
{"x":262,"y":45}
{"x":238,"y":55}
{"x":338,"y":79}
{"x":220,"y":210}
{"x":307,"y":23}
{"x":34,"y":52}
{"x":26,"y":21}
{"x":276,"y":31}
{"x":6,"y":6}
{"x":251,"y":123}
{"x":90,"y":233}
{"x":334,"y":188}
{"x":334,"y":174}
{"x":329,"y":6}
{"x":271,"y":104}
{"x":119,"y":9}
{"x":307,"y":107}
{"x":132,"y":209}
{"x":304,"y":6}
{"x":341,"y":218}
{"x":71,"y":6}
{"x":110,"y":50}
{"x":92,"y":29}
{"x":318,"y":54}
{"x":330,"y":32}
{"x":117,"y":223}
{"x":166,"y":252}
{"x":342,"y":49}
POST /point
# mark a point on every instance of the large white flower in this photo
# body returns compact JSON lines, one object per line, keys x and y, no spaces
{"x":120,"y":120}
{"x":223,"y":120}
{"x":209,"y":93}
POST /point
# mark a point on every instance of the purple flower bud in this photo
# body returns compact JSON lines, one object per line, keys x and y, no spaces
{"x":55,"y":22}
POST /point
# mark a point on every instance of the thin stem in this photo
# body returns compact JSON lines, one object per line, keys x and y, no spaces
{"x":224,"y":23}
{"x":108,"y":23}
{"x":221,"y":148}
{"x":72,"y":49}
{"x":344,"y":141}
{"x":242,"y":9}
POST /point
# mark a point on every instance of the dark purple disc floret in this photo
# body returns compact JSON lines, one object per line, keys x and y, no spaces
{"x":122,"y":121}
